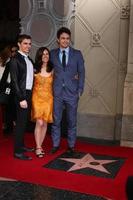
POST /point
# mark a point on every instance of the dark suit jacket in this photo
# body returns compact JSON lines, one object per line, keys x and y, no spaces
{"x":74,"y":75}
{"x":3,"y":81}
{"x":18,"y":71}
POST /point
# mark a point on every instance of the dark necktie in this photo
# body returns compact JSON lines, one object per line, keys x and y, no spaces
{"x":64,"y":59}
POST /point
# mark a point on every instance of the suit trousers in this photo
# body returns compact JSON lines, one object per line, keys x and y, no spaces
{"x":71,"y":114}
{"x":9,"y":115}
{"x":21,"y":123}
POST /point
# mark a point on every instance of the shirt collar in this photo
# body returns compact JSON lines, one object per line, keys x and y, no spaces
{"x":66,"y":50}
{"x":23,"y":54}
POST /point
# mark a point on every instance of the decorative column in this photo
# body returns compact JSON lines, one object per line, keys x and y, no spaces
{"x":127,"y":120}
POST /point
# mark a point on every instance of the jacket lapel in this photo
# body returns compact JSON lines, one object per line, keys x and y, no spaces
{"x":57,"y":57}
{"x":70,"y":57}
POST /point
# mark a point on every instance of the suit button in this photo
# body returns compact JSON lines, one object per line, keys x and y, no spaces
{"x":63,"y":85}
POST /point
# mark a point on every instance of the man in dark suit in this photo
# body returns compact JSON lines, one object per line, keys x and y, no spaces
{"x":9,"y":107}
{"x":69,"y":75}
{"x":21,"y":70}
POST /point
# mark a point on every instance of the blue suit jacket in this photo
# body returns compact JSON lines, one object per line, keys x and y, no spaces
{"x":72,"y":77}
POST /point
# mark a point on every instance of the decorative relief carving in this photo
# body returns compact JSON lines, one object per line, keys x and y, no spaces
{"x":93,"y":92}
{"x":41,"y":5}
{"x":125,"y":12}
{"x":50,"y":14}
{"x":96,"y":39}
{"x":123,"y":68}
{"x":73,"y":7}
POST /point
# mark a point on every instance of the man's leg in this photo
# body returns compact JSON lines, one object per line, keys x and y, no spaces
{"x":56,"y":126}
{"x":21,"y":122}
{"x":71,"y":111}
{"x":9,"y":113}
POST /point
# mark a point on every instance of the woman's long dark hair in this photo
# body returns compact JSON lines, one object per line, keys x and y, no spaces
{"x":38,"y":60}
{"x":5,"y":54}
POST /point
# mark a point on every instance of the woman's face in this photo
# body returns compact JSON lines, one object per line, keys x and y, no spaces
{"x":45,"y":56}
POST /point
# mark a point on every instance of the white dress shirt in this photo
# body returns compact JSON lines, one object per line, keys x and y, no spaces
{"x":30,"y":73}
{"x":66,"y":53}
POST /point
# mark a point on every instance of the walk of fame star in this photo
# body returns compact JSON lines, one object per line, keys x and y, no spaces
{"x":88,"y":161}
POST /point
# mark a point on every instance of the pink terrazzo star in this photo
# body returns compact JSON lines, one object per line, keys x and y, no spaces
{"x":6,"y":179}
{"x":88,"y":162}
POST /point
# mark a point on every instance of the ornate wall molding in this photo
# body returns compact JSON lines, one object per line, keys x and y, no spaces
{"x":94,"y":92}
{"x":125,"y":11}
{"x":25,"y":10}
{"x":42,"y":28}
{"x":42,"y":18}
{"x":102,"y":35}
{"x":123,"y":68}
{"x":96,"y":39}
{"x":42,"y":5}
{"x":61,"y":11}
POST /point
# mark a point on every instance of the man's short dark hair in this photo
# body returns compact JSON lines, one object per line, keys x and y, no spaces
{"x":22,"y":37}
{"x":63,"y":30}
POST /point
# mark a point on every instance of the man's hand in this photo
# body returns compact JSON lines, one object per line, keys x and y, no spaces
{"x":76,"y":77}
{"x":23,"y":104}
{"x":79,"y":94}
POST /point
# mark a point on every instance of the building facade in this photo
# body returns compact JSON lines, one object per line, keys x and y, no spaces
{"x":102,"y":30}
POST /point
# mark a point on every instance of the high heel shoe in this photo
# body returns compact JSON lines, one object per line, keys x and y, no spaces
{"x":42,"y":151}
{"x":39,"y":153}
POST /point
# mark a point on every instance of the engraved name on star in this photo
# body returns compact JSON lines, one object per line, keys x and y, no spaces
{"x":88,"y":162}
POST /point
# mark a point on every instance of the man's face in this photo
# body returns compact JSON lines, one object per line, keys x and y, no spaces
{"x":64,"y":40}
{"x":25,"y":46}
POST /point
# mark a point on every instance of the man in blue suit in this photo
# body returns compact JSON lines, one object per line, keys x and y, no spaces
{"x":69,"y":76}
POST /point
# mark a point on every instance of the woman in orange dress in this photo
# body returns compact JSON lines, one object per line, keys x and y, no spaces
{"x":42,"y":98}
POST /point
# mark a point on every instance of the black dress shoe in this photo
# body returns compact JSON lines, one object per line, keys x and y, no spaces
{"x":54,"y":150}
{"x":28,"y":149}
{"x":70,"y":150}
{"x":22,"y":156}
{"x":7,"y":131}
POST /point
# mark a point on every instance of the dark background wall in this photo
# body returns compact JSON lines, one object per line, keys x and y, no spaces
{"x":9,"y":21}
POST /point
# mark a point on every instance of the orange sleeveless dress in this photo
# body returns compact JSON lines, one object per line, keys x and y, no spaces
{"x":42,"y":98}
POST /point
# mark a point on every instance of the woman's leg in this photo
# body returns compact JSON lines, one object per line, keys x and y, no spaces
{"x":43,"y":132}
{"x":38,"y":132}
